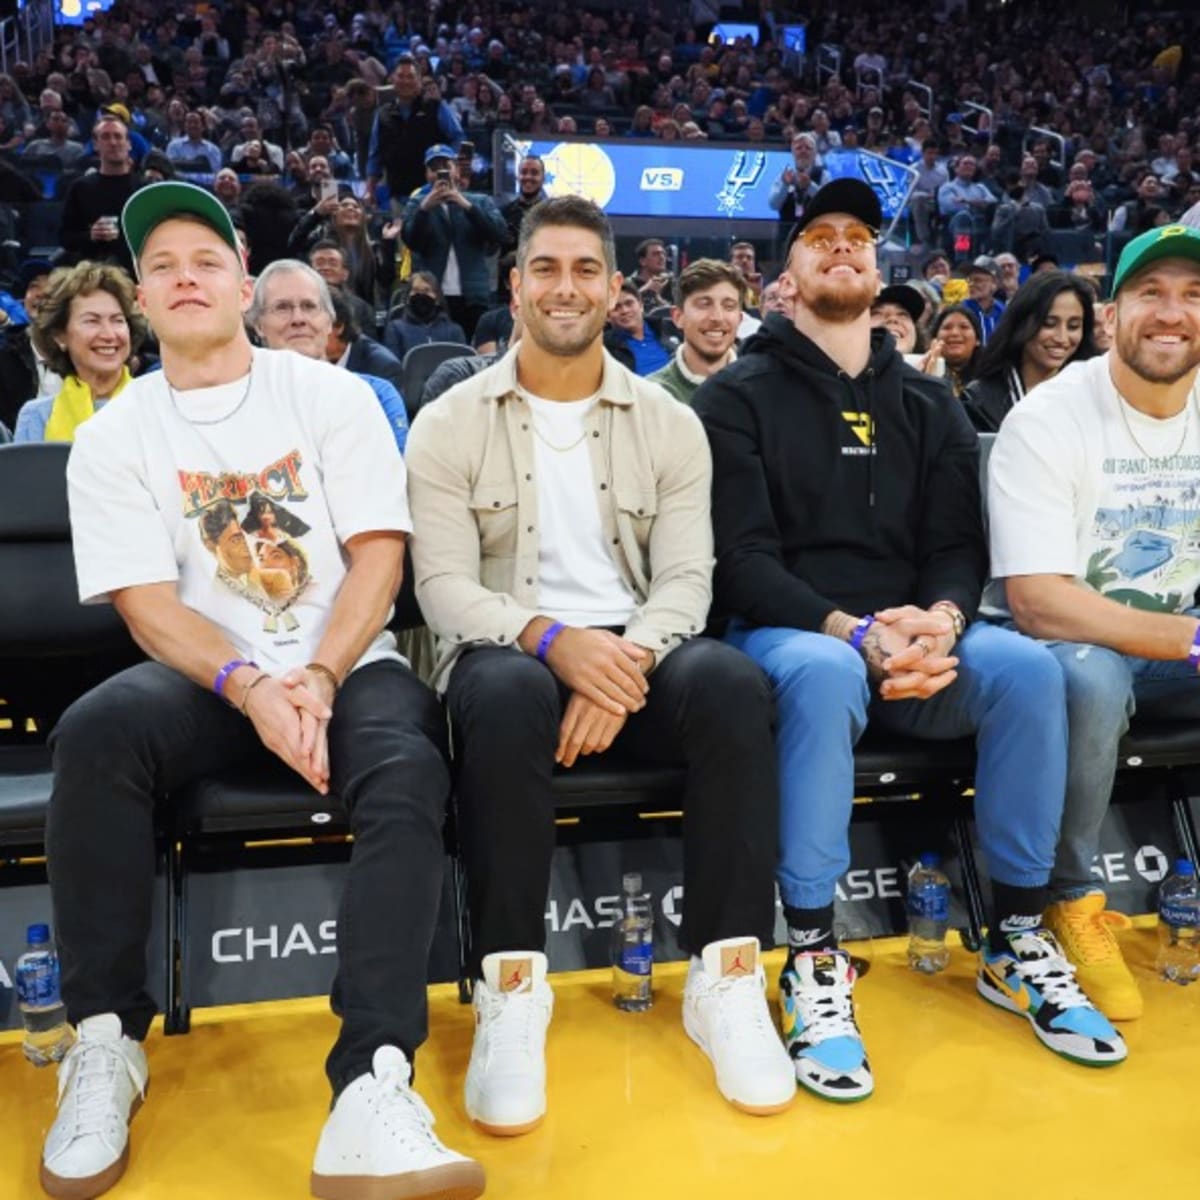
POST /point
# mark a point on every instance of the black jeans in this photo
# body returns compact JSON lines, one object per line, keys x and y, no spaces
{"x":709,"y":709}
{"x":149,"y":731}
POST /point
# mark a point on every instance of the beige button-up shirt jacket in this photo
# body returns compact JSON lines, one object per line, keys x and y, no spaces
{"x":470,"y":458}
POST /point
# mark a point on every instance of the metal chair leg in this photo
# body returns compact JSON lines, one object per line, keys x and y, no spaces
{"x":178,"y":1018}
{"x":972,"y":936}
{"x":1181,"y":809}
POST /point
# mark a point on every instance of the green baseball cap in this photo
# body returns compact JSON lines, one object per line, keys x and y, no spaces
{"x":153,"y":204}
{"x":1167,"y":241}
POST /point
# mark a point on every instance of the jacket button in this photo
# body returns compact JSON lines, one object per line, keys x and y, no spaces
{"x":528,"y":528}
{"x":529,"y":581}
{"x":528,"y":478}
{"x":604,"y":487}
{"x":640,"y":513}
{"x":666,"y":641}
{"x":616,"y":541}
{"x":596,"y":433}
{"x":524,"y":427}
{"x":500,"y":639}
{"x":495,"y":503}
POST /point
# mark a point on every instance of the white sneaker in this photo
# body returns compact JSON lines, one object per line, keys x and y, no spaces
{"x":506,"y":1081}
{"x":378,"y":1143}
{"x":725,"y":1013}
{"x":101,"y":1083}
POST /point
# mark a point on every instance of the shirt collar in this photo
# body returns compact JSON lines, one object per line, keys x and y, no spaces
{"x":689,"y":374}
{"x":615,"y":384}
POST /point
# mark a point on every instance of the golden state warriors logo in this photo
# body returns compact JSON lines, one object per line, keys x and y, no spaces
{"x":577,"y":169}
{"x":862,"y":425}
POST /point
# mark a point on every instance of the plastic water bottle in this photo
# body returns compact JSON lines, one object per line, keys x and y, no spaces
{"x":47,"y":1035}
{"x":1179,"y":925}
{"x":633,"y":948}
{"x":928,"y":916}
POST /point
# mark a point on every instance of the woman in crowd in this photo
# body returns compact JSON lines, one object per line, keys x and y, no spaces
{"x":87,"y":329}
{"x":957,"y":330}
{"x":1048,"y":324}
{"x":423,"y":318}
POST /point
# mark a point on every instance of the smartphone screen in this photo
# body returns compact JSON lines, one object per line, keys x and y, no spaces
{"x":329,"y":189}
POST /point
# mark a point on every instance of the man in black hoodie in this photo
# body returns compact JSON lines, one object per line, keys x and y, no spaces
{"x":851,"y":556}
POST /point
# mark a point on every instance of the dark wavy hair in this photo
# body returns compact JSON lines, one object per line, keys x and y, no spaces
{"x":1026,"y":314}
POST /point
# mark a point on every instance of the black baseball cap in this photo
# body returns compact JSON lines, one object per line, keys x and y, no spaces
{"x":850,"y":196}
{"x":905,"y":297}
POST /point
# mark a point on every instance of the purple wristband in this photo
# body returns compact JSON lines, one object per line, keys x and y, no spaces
{"x":1194,"y":652}
{"x":860,"y":632}
{"x":228,"y":669}
{"x":547,"y":640}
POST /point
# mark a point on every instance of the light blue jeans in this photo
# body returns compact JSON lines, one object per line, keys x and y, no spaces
{"x":1009,"y":693}
{"x":1104,"y":688}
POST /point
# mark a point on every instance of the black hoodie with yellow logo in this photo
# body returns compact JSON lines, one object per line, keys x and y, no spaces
{"x":838,"y":493}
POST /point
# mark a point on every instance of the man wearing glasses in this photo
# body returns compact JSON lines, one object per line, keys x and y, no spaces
{"x":850,"y":557}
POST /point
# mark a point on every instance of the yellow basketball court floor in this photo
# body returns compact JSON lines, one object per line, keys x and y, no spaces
{"x":967,"y":1104}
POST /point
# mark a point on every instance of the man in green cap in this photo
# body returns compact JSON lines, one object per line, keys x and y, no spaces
{"x":1094,"y":500}
{"x":245,"y":512}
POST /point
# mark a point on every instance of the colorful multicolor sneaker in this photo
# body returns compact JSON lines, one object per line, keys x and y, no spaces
{"x":1033,"y":979}
{"x":819,"y":1028}
{"x":1084,"y":928}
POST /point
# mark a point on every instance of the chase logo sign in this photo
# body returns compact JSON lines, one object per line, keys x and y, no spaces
{"x":662,"y":179}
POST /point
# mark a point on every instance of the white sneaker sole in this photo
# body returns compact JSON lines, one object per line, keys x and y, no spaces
{"x":755,"y":1110}
{"x":454,"y":1181}
{"x":999,"y":1000}
{"x":64,"y":1187}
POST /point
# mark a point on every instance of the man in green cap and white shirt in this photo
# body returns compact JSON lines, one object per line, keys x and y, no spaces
{"x":1094,"y":503}
{"x":245,"y":512}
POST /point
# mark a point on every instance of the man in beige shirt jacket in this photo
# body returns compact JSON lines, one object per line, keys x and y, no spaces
{"x":563,"y":555}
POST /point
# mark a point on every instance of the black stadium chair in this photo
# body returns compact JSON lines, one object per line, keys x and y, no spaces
{"x":420,"y":362}
{"x":52,"y":648}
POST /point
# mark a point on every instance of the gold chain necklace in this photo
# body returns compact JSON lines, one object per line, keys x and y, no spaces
{"x":1187,"y":419}
{"x":557,"y":449}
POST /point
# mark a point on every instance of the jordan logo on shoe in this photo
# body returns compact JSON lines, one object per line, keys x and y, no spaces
{"x":516,"y":974}
{"x":738,"y":960}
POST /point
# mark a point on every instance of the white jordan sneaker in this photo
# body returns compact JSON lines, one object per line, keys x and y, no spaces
{"x":506,"y":1081}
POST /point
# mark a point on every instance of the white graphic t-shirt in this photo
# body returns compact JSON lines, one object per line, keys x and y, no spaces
{"x":1080,"y":483}
{"x":243,"y":503}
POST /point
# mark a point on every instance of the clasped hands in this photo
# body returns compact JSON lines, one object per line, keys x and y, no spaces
{"x":291,"y":716}
{"x":907,"y":652}
{"x":607,"y":677}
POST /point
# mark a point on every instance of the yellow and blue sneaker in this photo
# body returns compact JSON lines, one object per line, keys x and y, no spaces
{"x":1033,"y":979}
{"x":819,"y":1030}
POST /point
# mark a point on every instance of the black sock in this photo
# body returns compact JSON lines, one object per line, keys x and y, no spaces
{"x":1014,"y":909}
{"x":809,"y":929}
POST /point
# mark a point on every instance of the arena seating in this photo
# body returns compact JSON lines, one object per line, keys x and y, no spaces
{"x":52,"y":649}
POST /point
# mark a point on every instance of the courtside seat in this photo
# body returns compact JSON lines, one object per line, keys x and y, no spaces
{"x":52,"y":648}
{"x":25,"y":781}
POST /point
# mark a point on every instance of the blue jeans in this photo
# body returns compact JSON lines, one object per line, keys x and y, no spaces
{"x":1009,"y":693}
{"x":1103,"y":689}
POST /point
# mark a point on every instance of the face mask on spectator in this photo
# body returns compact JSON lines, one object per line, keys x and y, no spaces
{"x":422,"y":306}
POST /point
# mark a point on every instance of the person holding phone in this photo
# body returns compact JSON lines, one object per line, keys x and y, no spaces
{"x":451,"y":232}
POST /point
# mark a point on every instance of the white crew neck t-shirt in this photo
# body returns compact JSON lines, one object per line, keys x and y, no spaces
{"x":243,"y":503}
{"x":1080,"y":483}
{"x":578,"y":581}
